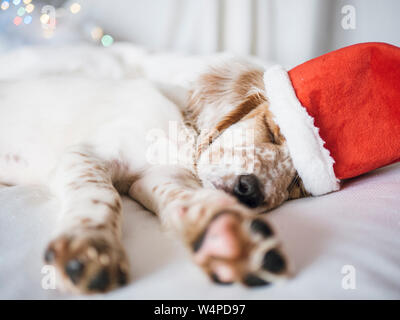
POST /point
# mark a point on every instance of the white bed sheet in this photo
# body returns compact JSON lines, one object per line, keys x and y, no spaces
{"x":358,"y":226}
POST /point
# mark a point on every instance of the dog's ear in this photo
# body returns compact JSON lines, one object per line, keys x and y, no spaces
{"x":296,"y":188}
{"x":273,"y":130}
{"x":242,"y":110}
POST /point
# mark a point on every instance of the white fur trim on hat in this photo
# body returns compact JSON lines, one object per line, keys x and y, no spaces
{"x":310,"y":158}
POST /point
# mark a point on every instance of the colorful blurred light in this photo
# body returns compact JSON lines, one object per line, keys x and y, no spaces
{"x":28,"y":19}
{"x":75,"y":8}
{"x":107,"y":40}
{"x":21,"y":11}
{"x":16,"y":2}
{"x":96,"y":33}
{"x":29,"y":8}
{"x":17,"y":21}
{"x":27,"y":1}
{"x":4,"y":5}
{"x":44,"y":18}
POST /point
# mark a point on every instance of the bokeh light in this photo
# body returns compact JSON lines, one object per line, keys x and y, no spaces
{"x":21,"y":11}
{"x":75,"y":8}
{"x":48,"y":33}
{"x":27,"y":1}
{"x":16,"y":2}
{"x":107,"y":40}
{"x":17,"y":21}
{"x":4,"y":5}
{"x":44,"y":18}
{"x":28,"y":19}
{"x":29,"y":8}
{"x":96,"y":33}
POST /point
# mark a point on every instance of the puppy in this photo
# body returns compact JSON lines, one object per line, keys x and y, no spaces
{"x":90,"y":142}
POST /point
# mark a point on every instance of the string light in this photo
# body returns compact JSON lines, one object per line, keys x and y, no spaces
{"x":23,"y":16}
{"x":17,"y":21}
{"x":75,"y":8}
{"x":4,"y":5}
{"x":107,"y":40}
{"x":29,"y":8}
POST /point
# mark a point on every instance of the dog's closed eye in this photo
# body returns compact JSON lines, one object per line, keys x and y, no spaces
{"x":273,"y":132}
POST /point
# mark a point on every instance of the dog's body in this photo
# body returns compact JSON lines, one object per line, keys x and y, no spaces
{"x":89,"y":141}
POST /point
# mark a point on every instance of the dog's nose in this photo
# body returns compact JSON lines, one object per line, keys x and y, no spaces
{"x":247,"y":190}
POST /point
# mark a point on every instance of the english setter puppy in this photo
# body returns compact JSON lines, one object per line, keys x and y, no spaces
{"x":91,"y":141}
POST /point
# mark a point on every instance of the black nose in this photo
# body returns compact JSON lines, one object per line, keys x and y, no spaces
{"x":247,"y":190}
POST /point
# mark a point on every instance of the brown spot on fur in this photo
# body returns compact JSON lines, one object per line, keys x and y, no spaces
{"x":81,"y":154}
{"x":87,"y":175}
{"x":247,"y":81}
{"x":99,"y":167}
{"x":105,"y":186}
{"x":173,"y":194}
{"x":74,"y":186}
{"x":94,"y":181}
{"x":240,"y":111}
{"x":114,"y":207}
{"x":231,"y":118}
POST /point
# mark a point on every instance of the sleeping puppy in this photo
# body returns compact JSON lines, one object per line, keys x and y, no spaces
{"x":265,"y":177}
{"x":90,"y":141}
{"x":329,"y":119}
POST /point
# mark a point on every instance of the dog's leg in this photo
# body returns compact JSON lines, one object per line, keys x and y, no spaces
{"x":227,"y":240}
{"x":87,"y":250}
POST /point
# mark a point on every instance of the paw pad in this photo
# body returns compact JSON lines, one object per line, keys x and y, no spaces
{"x":235,"y":248}
{"x":273,"y":261}
{"x":89,"y":261}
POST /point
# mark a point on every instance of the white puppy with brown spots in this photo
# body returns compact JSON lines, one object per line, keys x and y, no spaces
{"x":91,"y":141}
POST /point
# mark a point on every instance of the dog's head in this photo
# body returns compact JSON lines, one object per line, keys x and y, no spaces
{"x":241,"y":148}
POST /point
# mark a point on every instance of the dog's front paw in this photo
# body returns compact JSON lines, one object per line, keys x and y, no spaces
{"x":88,"y":261}
{"x":237,"y":247}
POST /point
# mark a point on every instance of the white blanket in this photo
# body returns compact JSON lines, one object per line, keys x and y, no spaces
{"x":355,"y":230}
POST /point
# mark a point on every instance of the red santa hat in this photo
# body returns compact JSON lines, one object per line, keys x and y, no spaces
{"x":339,"y":113}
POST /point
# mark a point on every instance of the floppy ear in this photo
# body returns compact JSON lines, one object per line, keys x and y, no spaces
{"x":237,"y":114}
{"x":274,"y":131}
